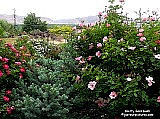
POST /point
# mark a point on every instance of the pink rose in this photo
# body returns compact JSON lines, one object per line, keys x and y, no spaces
{"x":23,"y":48}
{"x":140,"y":34}
{"x":78,"y":78}
{"x":144,"y":19}
{"x":10,"y":109}
{"x":79,"y":31}
{"x":14,"y":49}
{"x":99,"y":45}
{"x":23,"y":61}
{"x":20,"y":75}
{"x":1,"y":58}
{"x":5,"y":66}
{"x":108,"y":25}
{"x":158,"y":99}
{"x":89,"y":58}
{"x":18,"y":63}
{"x":113,"y":95}
{"x":100,"y":13}
{"x":152,"y":18}
{"x":9,"y":45}
{"x":81,"y":24}
{"x":1,"y":74}
{"x":8,"y":92}
{"x":8,"y":72}
{"x":105,"y":15}
{"x":22,"y":69}
{"x":91,"y":46}
{"x":82,"y":61}
{"x":98,"y":54}
{"x":5,"y":60}
{"x":5,"y":98}
{"x":78,"y":58}
{"x":92,"y":85}
{"x":141,"y":30}
{"x":142,"y":39}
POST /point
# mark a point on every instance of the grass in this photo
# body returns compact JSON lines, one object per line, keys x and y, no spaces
{"x":59,"y":40}
{"x":9,"y":40}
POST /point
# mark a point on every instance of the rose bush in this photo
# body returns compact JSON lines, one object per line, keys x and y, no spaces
{"x":118,"y":66}
{"x":13,"y":65}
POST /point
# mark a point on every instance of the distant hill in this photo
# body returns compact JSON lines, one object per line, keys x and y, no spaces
{"x":89,"y":19}
{"x":19,"y":19}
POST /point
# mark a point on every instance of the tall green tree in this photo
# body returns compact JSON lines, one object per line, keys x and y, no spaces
{"x":31,"y":22}
{"x":6,"y":29}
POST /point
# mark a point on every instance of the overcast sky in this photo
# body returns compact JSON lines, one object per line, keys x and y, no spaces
{"x":64,"y":9}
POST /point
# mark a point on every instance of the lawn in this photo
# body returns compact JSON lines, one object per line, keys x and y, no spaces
{"x":9,"y":40}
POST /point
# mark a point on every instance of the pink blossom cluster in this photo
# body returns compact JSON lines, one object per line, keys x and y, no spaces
{"x":5,"y":60}
{"x":149,"y":19}
{"x":7,"y":99}
{"x":5,"y":66}
{"x":10,"y":109}
{"x":141,"y":35}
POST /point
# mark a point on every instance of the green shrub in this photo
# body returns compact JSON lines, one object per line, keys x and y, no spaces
{"x":6,"y":29}
{"x":47,"y":91}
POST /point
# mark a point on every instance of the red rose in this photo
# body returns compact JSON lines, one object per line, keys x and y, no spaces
{"x":9,"y":45}
{"x":10,"y":109}
{"x":22,"y":69}
{"x":5,"y":60}
{"x":5,"y":98}
{"x":14,"y":49}
{"x":20,"y":75}
{"x":5,"y":66}
{"x":8,"y":72}
{"x":8,"y":92}
{"x":18,"y":63}
{"x":1,"y":74}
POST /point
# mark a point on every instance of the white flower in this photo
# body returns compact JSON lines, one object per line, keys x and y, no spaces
{"x":150,"y":80}
{"x":157,"y":56}
{"x":145,"y":46}
{"x":129,"y":79}
{"x":105,"y":39}
{"x":121,"y":40}
{"x":122,"y":49}
{"x":79,"y":37}
{"x":132,"y":48}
